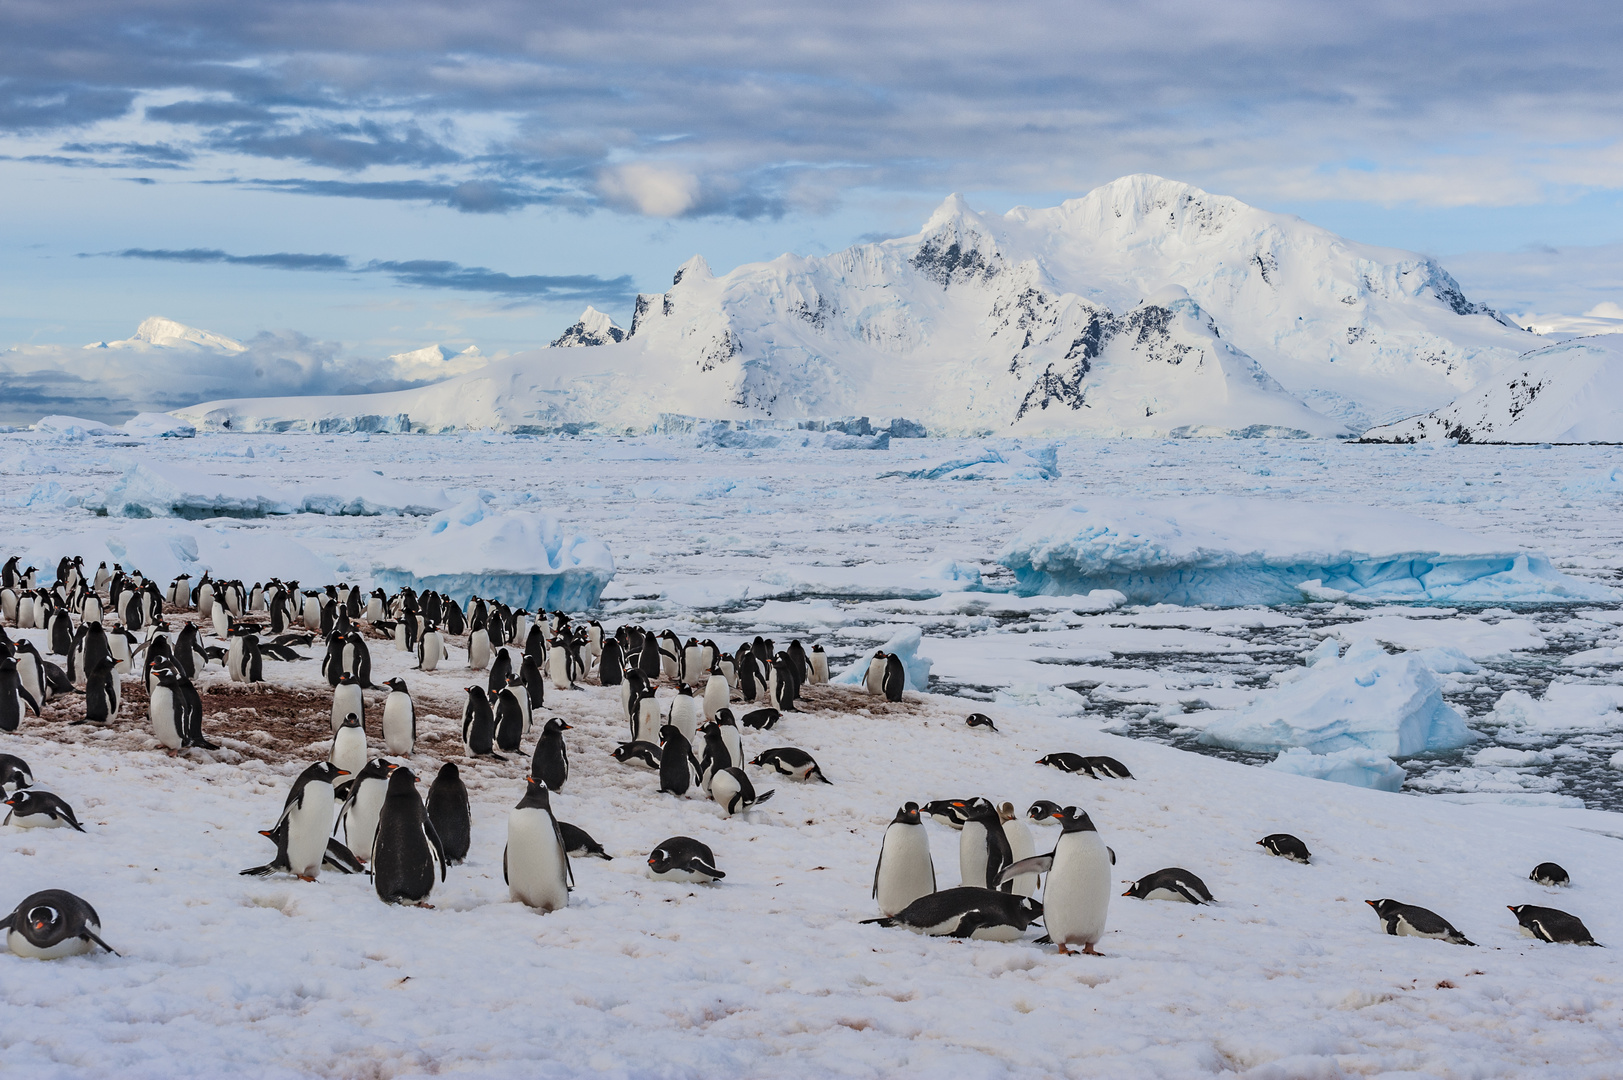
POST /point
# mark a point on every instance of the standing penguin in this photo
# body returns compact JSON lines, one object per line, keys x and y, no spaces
{"x":347,"y":699}
{"x":678,"y":770}
{"x":609,"y":663}
{"x":1021,"y":846}
{"x":164,"y":709}
{"x":103,"y":690}
{"x":399,"y":719}
{"x":308,"y":815}
{"x":479,"y":724}
{"x":363,"y":803}
{"x":894,"y":679}
{"x":535,"y":864}
{"x":349,"y":746}
{"x":983,"y":849}
{"x":559,"y":668}
{"x":716,"y":693}
{"x":873,"y":680}
{"x":52,"y":924}
{"x":512,"y":716}
{"x":905,"y":870}
{"x":1076,"y":899}
{"x":478,"y":649}
{"x":407,"y":849}
{"x":550,"y":765}
{"x":684,"y":714}
{"x":449,"y":811}
{"x":819,"y":666}
{"x":13,"y":696}
{"x":430,"y":648}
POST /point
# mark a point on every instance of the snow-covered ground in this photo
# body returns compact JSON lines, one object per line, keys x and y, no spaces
{"x":768,"y":972}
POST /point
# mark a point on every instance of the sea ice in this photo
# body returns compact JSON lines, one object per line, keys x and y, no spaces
{"x":150,"y":489}
{"x":990,"y":463}
{"x":905,"y":644}
{"x":1355,"y":765}
{"x":157,"y":425}
{"x":1233,"y":550}
{"x":525,"y":560}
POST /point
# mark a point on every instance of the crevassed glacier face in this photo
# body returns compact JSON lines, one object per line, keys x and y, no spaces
{"x":1229,"y":551}
{"x":576,"y":589}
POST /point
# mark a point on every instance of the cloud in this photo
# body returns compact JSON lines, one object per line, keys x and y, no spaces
{"x":423,"y":273}
{"x":347,"y":147}
{"x":468,"y":196}
{"x":644,"y":188}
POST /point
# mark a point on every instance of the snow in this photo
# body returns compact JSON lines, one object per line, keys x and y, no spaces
{"x":163,"y":551}
{"x":1354,"y":765}
{"x":72,"y":427}
{"x":1248,"y":551}
{"x":158,"y":426}
{"x":522,"y":559}
{"x":905,"y":644}
{"x":1565,"y":393}
{"x":1367,"y":699}
{"x":153,"y":490}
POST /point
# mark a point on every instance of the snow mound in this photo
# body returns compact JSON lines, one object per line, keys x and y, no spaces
{"x":1566,"y":708}
{"x":164,"y":550}
{"x":157,"y":425}
{"x":72,"y":427}
{"x":149,"y":489}
{"x":906,"y":646}
{"x":1566,"y":393}
{"x":1366,"y":700}
{"x":992,"y":463}
{"x":524,"y":560}
{"x":1355,"y":765}
{"x":1231,"y":550}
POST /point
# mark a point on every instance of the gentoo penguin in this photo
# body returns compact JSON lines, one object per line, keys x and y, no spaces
{"x":430,"y":648}
{"x":501,"y":666}
{"x":32,"y":670}
{"x":479,"y":649}
{"x":189,"y":656}
{"x":716,"y":755}
{"x":731,"y":737}
{"x":983,"y":849}
{"x":399,"y":719}
{"x":407,"y":849}
{"x":347,"y":699}
{"x":715,"y":694}
{"x":691,"y":658}
{"x":648,"y":721}
{"x":609,"y":664}
{"x":781,"y":685}
{"x":104,"y":692}
{"x":1406,"y":920}
{"x":761,"y":719}
{"x":678,"y":769}
{"x":1097,"y":766}
{"x":558,"y":666}
{"x":1555,"y":927}
{"x":873,"y":680}
{"x":670,"y":655}
{"x":977,"y":719}
{"x":819,"y":666}
{"x":535,"y":862}
{"x":14,"y":774}
{"x":1549,"y":873}
{"x":1076,"y":898}
{"x":52,"y":924}
{"x":512,"y":715}
{"x":650,"y":658}
{"x":1021,"y":846}
{"x":550,"y":764}
{"x":479,"y":724}
{"x":578,"y":843}
{"x":1173,"y":883}
{"x":449,"y":811}
{"x":684,"y":714}
{"x":746,"y":671}
{"x":733,"y":792}
{"x":308,"y":816}
{"x":967,"y":912}
{"x":32,"y":808}
{"x":905,"y":870}
{"x":792,"y":762}
{"x":362,"y":804}
{"x":682,"y":858}
{"x":13,"y":696}
{"x":894,"y":680}
{"x":337,"y":857}
{"x":221,"y":617}
{"x":948,"y":812}
{"x":358,"y":659}
{"x":164,"y":709}
{"x":1286,"y":846}
{"x":374,"y":606}
{"x":642,"y":753}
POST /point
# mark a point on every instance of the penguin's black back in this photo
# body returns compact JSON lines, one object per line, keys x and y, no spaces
{"x":403,"y":855}
{"x":550,"y":763}
{"x":448,"y":810}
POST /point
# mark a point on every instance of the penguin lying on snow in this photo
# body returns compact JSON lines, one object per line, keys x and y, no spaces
{"x":36,"y":809}
{"x":578,"y":843}
{"x":14,"y":773}
{"x":761,"y":719}
{"x":682,"y":858}
{"x":52,"y":924}
{"x":1173,"y":883}
{"x":1549,"y":873}
{"x":976,"y":719}
{"x":1043,"y":810}
{"x":966,"y":912}
{"x":948,"y":812}
{"x":1286,"y":846}
{"x":644,"y":753}
{"x":792,"y":762}
{"x":1548,"y":924}
{"x":1097,"y":766}
{"x":733,"y":792}
{"x":1406,"y":920}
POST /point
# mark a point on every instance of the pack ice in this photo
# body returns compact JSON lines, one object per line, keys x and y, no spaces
{"x":1232,"y":550}
{"x":522,"y":559}
{"x":154,"y":489}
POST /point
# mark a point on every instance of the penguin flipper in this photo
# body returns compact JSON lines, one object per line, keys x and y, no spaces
{"x":22,"y":692}
{"x":341,"y":858}
{"x":260,"y":871}
{"x":765,"y":795}
{"x":1037,"y":864}
{"x":439,"y":848}
{"x":505,"y":881}
{"x":89,"y":936}
{"x":886,"y":922}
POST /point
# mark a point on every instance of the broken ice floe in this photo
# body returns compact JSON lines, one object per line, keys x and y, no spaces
{"x":150,"y":489}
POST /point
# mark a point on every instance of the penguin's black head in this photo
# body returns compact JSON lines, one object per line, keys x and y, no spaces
{"x":976,"y":809}
{"x":1072,"y":819}
{"x":725,"y":716}
{"x":352,"y":721}
{"x":668,"y":732}
{"x":449,"y":771}
{"x":1042,"y":810}
{"x":397,"y":683}
{"x":20,"y":800}
{"x":401,"y":782}
{"x":1032,"y":908}
{"x":980,"y":720}
{"x":907,"y":815}
{"x":556,"y":725}
{"x":43,"y":920}
{"x":1382,"y":906}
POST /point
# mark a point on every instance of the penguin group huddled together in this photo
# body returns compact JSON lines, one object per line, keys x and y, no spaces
{"x":112,"y":624}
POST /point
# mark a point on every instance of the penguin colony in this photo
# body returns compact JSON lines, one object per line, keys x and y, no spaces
{"x":111,"y":625}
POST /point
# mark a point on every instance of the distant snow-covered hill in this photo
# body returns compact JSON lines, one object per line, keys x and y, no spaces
{"x":1147,"y":307}
{"x":1566,"y":393}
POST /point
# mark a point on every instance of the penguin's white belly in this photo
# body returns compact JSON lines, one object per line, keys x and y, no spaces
{"x":685,"y":718}
{"x":906,"y":871}
{"x":1407,"y":929}
{"x":374,"y":609}
{"x":536,"y":872}
{"x":433,"y":651}
{"x":676,"y":873}
{"x":648,"y":721}
{"x":1076,"y":899}
{"x":1167,"y":894}
{"x":221,"y":622}
{"x":723,"y":787}
{"x":874,"y":680}
{"x":734,"y":744}
{"x":400,"y":637}
{"x":715,"y":696}
{"x":312,"y":615}
{"x":37,"y":821}
{"x":361,"y":819}
{"x":349,"y":750}
{"x":345,"y":700}
{"x":819,"y":668}
{"x":161,"y":711}
{"x":972,"y":854}
{"x":558,"y":668}
{"x":308,"y":826}
{"x":1021,"y":846}
{"x":233,"y":660}
{"x":397,"y":723}
{"x":73,"y":946}
{"x":478,"y":650}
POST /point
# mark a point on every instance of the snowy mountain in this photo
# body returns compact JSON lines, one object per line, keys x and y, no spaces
{"x":436,"y":362}
{"x":1147,"y":307}
{"x":1567,"y":393}
{"x":159,"y":332}
{"x":592,"y":328}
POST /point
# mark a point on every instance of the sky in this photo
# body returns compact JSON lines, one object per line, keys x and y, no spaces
{"x":365,"y":178}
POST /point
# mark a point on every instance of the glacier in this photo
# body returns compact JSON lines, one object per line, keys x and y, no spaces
{"x":524,"y":560}
{"x":1233,"y":550}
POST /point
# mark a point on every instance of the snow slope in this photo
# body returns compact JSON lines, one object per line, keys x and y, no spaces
{"x":1566,"y":393}
{"x":1147,"y":307}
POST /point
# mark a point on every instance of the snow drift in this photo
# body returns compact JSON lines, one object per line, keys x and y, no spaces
{"x":524,"y":560}
{"x":1229,"y":550}
{"x":1567,"y":393}
{"x":164,"y":550}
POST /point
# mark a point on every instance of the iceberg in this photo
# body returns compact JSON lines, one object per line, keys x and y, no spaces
{"x":524,"y":560}
{"x":1355,"y":766}
{"x":149,"y":489}
{"x":157,"y":425}
{"x":906,"y":646}
{"x":72,"y":427}
{"x":1232,"y":550}
{"x":1368,"y":699}
{"x":1038,"y":463}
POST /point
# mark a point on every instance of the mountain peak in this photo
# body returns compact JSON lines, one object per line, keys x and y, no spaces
{"x":157,"y":331}
{"x":595,"y":328}
{"x":695,"y":269}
